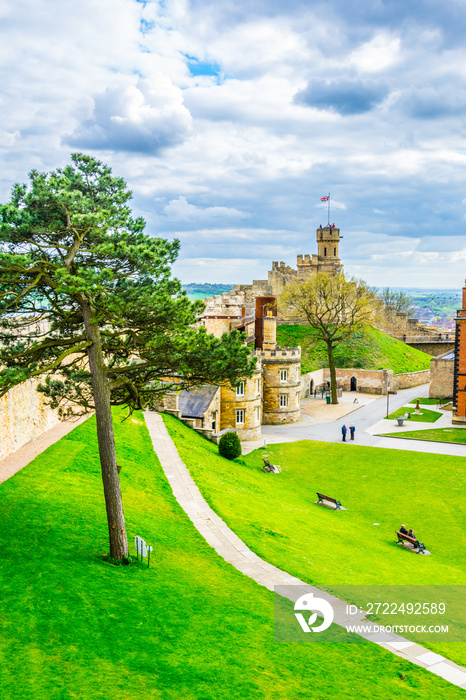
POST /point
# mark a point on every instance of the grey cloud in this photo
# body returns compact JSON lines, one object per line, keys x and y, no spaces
{"x":432,"y":103}
{"x":347,"y":97}
{"x":138,"y":119}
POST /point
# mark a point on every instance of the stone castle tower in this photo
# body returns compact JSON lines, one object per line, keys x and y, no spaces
{"x":272,"y":395}
{"x":326,"y":260}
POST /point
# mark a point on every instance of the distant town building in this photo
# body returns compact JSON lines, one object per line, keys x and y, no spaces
{"x":459,"y":381}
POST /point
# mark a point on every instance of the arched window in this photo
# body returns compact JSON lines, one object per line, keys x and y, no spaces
{"x":325,"y":252}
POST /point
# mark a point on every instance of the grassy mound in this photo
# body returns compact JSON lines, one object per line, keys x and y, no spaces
{"x":191,"y":626}
{"x":368,"y":349}
{"x":278,"y":519}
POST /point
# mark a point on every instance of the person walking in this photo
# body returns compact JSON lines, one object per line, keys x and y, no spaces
{"x":352,"y":430}
{"x":343,"y":432}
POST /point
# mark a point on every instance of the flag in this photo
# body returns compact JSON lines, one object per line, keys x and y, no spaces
{"x":324,"y":199}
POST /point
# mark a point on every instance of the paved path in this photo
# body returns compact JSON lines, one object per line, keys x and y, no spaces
{"x":369,"y":419}
{"x":234,"y":551}
{"x":17,"y":460}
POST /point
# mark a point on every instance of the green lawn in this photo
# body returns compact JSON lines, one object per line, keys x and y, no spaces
{"x":368,"y":349}
{"x":191,"y":627}
{"x":276,"y":515}
{"x":429,"y":402}
{"x":455,"y":435}
{"x":425,"y":415}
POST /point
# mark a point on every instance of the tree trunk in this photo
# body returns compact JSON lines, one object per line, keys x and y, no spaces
{"x":333,"y":374}
{"x":105,"y":437}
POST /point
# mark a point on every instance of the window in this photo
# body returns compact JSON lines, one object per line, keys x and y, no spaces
{"x":257,"y":383}
{"x":257,"y":414}
{"x":240,"y":416}
{"x":213,"y":425}
{"x":325,"y":252}
{"x":283,"y":375}
{"x":283,"y":400}
{"x":335,"y":252}
{"x":240,"y":389}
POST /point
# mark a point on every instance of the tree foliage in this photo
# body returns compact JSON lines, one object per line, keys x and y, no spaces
{"x":88,"y":304}
{"x":229,"y":445}
{"x":400,"y":300}
{"x":335,"y":307}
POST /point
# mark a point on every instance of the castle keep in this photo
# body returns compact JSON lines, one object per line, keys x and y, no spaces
{"x":326,"y":260}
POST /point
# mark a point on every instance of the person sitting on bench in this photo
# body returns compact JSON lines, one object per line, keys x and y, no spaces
{"x":403,"y":530}
{"x":411,"y":533}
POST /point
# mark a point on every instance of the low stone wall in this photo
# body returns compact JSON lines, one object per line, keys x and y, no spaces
{"x":367,"y":381}
{"x":24,"y":416}
{"x":310,"y":381}
{"x":405,"y":381}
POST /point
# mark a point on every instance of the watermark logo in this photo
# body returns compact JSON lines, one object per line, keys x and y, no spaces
{"x":309,"y":603}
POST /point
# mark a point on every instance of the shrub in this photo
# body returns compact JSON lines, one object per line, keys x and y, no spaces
{"x":229,"y":445}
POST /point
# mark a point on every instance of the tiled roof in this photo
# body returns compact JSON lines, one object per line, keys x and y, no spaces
{"x":195,"y":402}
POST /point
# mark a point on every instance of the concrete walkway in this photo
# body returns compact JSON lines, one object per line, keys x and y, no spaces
{"x":234,"y":551}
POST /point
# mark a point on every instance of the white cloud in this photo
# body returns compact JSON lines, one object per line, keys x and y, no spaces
{"x":144,"y":118}
{"x":378,"y":54}
{"x":181,"y":210}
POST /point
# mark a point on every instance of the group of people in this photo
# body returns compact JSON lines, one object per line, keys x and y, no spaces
{"x":344,"y":431}
{"x":409,"y":532}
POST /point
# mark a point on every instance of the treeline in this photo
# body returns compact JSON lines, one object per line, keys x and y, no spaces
{"x":206,"y":288}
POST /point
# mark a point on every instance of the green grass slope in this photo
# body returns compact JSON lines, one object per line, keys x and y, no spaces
{"x":277,"y":517}
{"x":192,"y":627}
{"x":368,"y":349}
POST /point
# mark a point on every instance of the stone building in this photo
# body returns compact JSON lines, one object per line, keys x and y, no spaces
{"x":270,"y":396}
{"x":442,"y":376}
{"x":459,"y":379}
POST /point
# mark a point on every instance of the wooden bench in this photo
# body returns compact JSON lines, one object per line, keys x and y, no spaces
{"x":412,"y":540}
{"x":269,"y":467}
{"x":330,"y":500}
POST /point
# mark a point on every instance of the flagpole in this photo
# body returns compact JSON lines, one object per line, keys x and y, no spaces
{"x":329,"y":209}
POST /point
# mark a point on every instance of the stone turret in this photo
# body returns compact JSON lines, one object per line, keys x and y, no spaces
{"x":328,"y":239}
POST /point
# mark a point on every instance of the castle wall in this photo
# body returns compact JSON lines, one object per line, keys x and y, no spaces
{"x":317,"y":379}
{"x":406,"y":381}
{"x":441,"y":377}
{"x":368,"y":381}
{"x":24,"y":416}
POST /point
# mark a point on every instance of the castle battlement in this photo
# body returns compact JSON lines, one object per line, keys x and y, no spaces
{"x":279,"y":354}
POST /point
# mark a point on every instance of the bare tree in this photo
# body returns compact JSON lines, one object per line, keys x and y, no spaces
{"x":400,"y":300}
{"x":334,"y":307}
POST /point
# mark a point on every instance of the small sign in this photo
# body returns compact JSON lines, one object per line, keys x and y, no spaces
{"x":141,"y":547}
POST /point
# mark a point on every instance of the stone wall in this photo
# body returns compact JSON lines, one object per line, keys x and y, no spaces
{"x":369,"y":381}
{"x":24,"y":416}
{"x":314,"y":379}
{"x":442,"y":376}
{"x":434,"y":349}
{"x":405,"y":381}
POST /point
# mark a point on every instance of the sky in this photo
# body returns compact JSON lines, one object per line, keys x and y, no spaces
{"x":230,"y":119}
